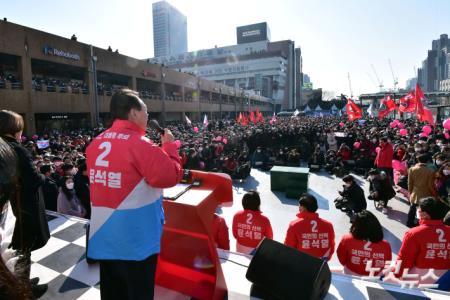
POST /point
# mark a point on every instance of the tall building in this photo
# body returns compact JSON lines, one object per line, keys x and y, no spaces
{"x":436,"y":67}
{"x":169,"y":30}
{"x":255,"y":65}
{"x":411,"y":84}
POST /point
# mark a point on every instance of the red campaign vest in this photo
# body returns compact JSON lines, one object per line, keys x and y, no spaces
{"x":426,"y":246}
{"x":250,"y":227}
{"x":355,"y":254}
{"x":311,"y":234}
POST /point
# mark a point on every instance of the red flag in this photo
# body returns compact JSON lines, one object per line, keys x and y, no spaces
{"x":407,"y":103}
{"x":423,"y":113}
{"x":239,"y":118}
{"x":259,"y":116}
{"x":252,"y":117}
{"x":244,"y":121}
{"x":387,"y":105}
{"x":353,"y":111}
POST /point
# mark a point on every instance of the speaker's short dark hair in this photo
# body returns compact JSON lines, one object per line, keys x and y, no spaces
{"x":433,"y":207}
{"x":365,"y":226}
{"x":348,"y":178}
{"x":309,"y":202}
{"x":122,"y":102}
{"x":251,"y":200}
{"x":10,"y":122}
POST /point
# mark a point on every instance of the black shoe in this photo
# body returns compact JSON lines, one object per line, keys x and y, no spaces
{"x":34,"y":281}
{"x":39,"y":290}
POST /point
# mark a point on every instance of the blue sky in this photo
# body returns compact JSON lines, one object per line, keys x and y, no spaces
{"x":336,"y":36}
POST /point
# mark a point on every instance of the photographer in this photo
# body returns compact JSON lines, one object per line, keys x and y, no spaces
{"x":352,"y":198}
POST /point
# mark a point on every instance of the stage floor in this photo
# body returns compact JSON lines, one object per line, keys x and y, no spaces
{"x":61,"y":263}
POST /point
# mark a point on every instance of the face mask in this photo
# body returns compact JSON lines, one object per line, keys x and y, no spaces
{"x":438,"y":162}
{"x":259,"y":151}
{"x":348,"y":184}
{"x":418,"y":149}
{"x":374,"y":141}
{"x":446,"y":172}
{"x":69,"y":186}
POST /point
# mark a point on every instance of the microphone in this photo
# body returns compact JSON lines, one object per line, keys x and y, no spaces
{"x":155,"y":126}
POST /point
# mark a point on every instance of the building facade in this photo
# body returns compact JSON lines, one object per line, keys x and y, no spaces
{"x":255,"y":65}
{"x":59,"y":83}
{"x":435,"y":68}
{"x":169,"y":30}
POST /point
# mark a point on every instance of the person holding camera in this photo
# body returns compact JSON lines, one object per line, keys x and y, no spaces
{"x":352,"y":198}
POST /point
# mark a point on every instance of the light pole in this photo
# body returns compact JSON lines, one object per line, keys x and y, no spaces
{"x":163,"y":95}
{"x":199,"y":96}
{"x":94,"y":88}
{"x":220,"y":102}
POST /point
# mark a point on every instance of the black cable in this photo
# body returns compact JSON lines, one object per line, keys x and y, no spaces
{"x":235,"y":262}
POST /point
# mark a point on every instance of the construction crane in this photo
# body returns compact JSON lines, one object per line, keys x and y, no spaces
{"x":380,"y":83}
{"x":371,"y":79}
{"x":393,"y":76}
{"x":350,"y":85}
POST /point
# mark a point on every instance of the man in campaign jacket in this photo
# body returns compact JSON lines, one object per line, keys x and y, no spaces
{"x":127,"y":173}
{"x":309,"y":233}
{"x":427,"y":246}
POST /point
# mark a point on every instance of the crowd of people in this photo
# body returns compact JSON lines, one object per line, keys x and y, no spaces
{"x":416,"y":164}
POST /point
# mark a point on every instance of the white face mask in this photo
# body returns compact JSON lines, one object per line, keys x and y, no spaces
{"x":69,"y":185}
{"x":372,"y":177}
{"x":446,"y":172}
{"x":374,"y":141}
{"x":418,"y":149}
{"x":439,"y":162}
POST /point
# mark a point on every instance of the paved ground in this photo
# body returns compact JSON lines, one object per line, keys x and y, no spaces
{"x":324,"y":187}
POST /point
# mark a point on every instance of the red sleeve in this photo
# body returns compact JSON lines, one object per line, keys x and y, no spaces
{"x":269,"y":232}
{"x":408,"y":253}
{"x":159,"y":166}
{"x":223,"y":239}
{"x":234,"y":226}
{"x":342,"y":251}
{"x":332,"y":243}
{"x":291,"y":237}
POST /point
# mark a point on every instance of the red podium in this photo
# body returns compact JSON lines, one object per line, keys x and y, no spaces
{"x":188,"y":262}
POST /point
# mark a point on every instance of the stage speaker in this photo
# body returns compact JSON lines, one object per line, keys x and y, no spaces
{"x":280,"y":272}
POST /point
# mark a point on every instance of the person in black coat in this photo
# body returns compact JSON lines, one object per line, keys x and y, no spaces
{"x":81,"y":181}
{"x":31,"y":230}
{"x":49,"y":189}
{"x":353,"y":197}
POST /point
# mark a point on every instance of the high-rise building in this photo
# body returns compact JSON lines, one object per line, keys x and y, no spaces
{"x":436,"y":67}
{"x":255,"y":65}
{"x":411,"y":84}
{"x":169,"y":30}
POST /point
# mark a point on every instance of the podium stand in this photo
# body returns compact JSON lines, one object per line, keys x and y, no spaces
{"x":188,"y":262}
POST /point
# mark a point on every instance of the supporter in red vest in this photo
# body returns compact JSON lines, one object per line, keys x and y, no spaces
{"x":220,"y":233}
{"x":250,"y":226}
{"x":383,"y":161}
{"x":362,"y":245}
{"x":426,"y":246}
{"x":310,"y":233}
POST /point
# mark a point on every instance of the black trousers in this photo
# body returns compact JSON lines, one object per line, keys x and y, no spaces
{"x":127,"y":279}
{"x":411,"y":215}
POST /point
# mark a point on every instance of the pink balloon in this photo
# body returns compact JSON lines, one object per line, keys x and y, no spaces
{"x":356,"y":145}
{"x":446,"y":124}
{"x":447,"y":136}
{"x":423,"y":134}
{"x":195,"y":129}
{"x":225,"y":141}
{"x":393,"y":125}
{"x":271,"y":122}
{"x":35,"y":137}
{"x":377,"y":149}
{"x":403,"y":132}
{"x":341,"y":124}
{"x":396,"y":121}
{"x":426,"y":129}
{"x":178,"y":143}
{"x":400,"y":125}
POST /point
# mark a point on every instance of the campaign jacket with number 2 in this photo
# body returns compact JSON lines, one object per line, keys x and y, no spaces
{"x":127,"y":173}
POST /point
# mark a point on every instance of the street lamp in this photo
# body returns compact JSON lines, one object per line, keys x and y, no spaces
{"x":163,"y":95}
{"x":94,"y":88}
{"x":220,"y":102}
{"x":199,"y":96}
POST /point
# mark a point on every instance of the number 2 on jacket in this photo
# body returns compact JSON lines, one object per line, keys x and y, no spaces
{"x":100,"y":161}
